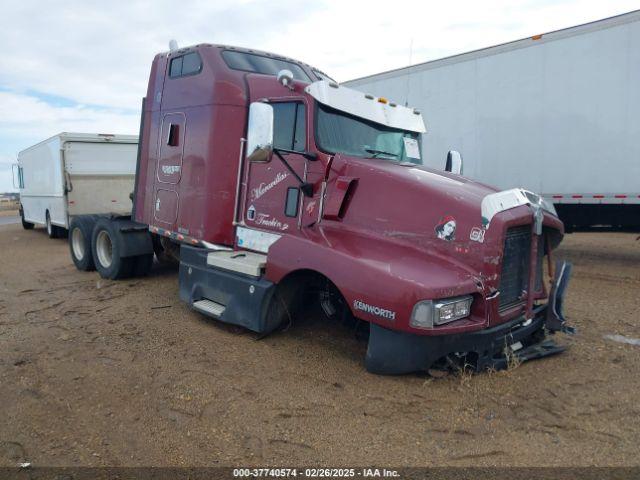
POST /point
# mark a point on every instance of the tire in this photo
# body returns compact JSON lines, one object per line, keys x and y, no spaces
{"x":80,"y":232}
{"x":52,"y":230}
{"x":26,"y":225}
{"x":279,"y":312}
{"x":142,"y":265}
{"x":106,"y":248}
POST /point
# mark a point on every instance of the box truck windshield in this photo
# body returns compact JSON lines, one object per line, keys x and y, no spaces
{"x":339,"y":132}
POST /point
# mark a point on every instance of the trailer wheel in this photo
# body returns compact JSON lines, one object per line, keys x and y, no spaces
{"x":52,"y":230}
{"x":80,"y":232}
{"x":48,"y":225}
{"x":26,"y":225}
{"x":106,"y":248}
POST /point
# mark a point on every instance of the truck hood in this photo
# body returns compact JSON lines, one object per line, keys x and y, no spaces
{"x":439,"y":215}
{"x":412,"y":202}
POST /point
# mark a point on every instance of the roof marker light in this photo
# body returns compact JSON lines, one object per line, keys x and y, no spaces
{"x":393,"y":105}
{"x":370,"y":97}
{"x":416,"y":111}
{"x":383,"y":100}
{"x":333,"y":84}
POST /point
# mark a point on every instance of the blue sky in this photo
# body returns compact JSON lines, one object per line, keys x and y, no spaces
{"x":83,"y":65}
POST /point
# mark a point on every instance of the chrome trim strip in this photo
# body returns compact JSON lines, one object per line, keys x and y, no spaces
{"x":321,"y":207}
{"x":238,"y":181}
{"x":301,"y":202}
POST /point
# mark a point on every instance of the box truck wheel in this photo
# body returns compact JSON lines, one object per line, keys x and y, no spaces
{"x":80,"y":232}
{"x":106,"y":248}
{"x":52,"y":230}
{"x":26,"y":225}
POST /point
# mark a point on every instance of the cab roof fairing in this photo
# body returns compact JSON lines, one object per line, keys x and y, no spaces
{"x":365,"y":106}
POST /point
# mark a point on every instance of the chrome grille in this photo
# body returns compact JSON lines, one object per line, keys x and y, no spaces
{"x":515,"y":266}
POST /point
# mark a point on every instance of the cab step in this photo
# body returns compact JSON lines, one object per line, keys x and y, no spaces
{"x":239,"y":261}
{"x":209,"y":307}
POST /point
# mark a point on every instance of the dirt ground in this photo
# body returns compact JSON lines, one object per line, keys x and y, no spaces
{"x":8,"y":217}
{"x":95,"y":372}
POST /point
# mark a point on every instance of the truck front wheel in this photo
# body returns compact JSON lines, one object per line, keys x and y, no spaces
{"x":80,"y":232}
{"x":106,"y":248}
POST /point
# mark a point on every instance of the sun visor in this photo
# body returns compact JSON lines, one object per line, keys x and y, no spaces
{"x":368,"y":107}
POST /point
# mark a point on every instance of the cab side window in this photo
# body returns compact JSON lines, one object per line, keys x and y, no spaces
{"x":187,"y":64}
{"x":289,"y":126}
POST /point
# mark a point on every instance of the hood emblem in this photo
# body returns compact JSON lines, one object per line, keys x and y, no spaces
{"x":477,"y":235}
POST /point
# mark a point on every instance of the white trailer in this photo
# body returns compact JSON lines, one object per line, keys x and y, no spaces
{"x":556,"y":113}
{"x":73,"y":174}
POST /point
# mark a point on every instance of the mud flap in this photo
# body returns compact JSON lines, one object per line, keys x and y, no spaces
{"x":555,"y":321}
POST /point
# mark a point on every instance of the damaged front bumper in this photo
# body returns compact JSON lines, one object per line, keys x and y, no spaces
{"x":392,"y":352}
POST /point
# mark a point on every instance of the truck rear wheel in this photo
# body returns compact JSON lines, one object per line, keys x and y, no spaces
{"x":80,"y":232}
{"x":26,"y":225}
{"x":106,"y":249}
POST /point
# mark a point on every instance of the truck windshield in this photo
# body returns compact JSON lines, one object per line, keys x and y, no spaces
{"x":339,"y":132}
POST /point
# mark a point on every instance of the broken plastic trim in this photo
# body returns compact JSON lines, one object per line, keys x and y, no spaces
{"x":555,"y":321}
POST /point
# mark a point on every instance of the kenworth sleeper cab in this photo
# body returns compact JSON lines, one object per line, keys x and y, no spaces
{"x":280,"y":187}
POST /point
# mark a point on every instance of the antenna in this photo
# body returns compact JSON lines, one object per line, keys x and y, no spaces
{"x":406,"y":101}
{"x":173,"y":45}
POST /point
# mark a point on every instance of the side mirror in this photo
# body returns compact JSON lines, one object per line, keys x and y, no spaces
{"x":454,"y":162}
{"x":260,"y":132}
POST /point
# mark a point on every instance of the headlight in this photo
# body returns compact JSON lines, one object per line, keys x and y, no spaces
{"x":429,"y":313}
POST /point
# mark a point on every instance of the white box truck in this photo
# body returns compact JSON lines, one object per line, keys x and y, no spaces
{"x":556,"y":113}
{"x":74,"y":174}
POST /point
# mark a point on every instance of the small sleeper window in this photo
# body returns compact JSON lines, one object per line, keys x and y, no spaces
{"x":188,"y":64}
{"x":176,"y":67}
{"x":191,"y":63}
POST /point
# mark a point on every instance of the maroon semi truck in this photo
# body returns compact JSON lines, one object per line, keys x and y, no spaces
{"x":276,"y":188}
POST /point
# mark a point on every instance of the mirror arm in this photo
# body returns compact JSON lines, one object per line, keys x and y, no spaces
{"x":305,"y":187}
{"x":307,"y":155}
